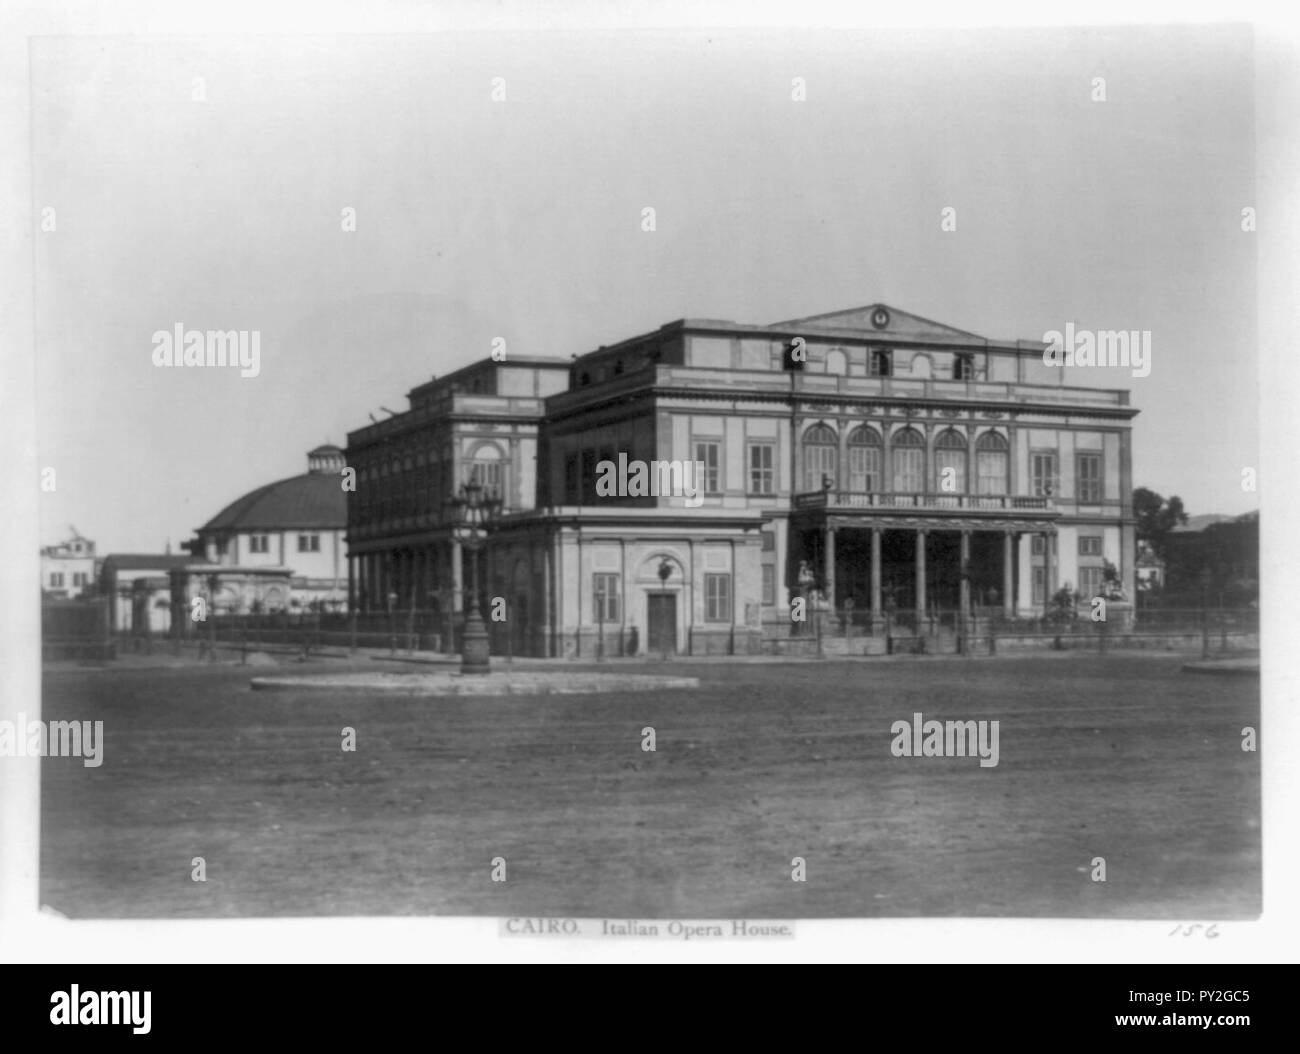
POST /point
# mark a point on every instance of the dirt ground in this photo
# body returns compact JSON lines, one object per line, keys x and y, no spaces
{"x":1125,"y":758}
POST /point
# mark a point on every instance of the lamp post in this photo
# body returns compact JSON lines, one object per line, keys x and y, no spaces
{"x":472,"y":514}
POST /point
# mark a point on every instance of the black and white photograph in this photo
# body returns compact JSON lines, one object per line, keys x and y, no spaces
{"x":597,"y":486}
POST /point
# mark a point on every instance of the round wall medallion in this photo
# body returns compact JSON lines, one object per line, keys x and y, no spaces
{"x":880,"y":318}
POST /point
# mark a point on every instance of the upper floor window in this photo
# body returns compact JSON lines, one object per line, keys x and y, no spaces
{"x":820,"y":457}
{"x":572,"y":484}
{"x":487,"y":468}
{"x":908,"y":454}
{"x":56,"y":579}
{"x":963,"y":368}
{"x":309,"y":543}
{"x":864,"y":459}
{"x":706,"y":454}
{"x":991,"y":457}
{"x":79,"y":578}
{"x":762,"y":469}
{"x":1090,"y":545}
{"x":881,"y":363}
{"x":259,"y":543}
{"x":1088,"y":477}
{"x":950,"y":462}
{"x":1043,"y":478}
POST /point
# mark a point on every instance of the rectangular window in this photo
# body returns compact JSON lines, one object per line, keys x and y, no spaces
{"x":1040,"y":585}
{"x":769,"y":541}
{"x":1090,"y":545}
{"x":909,"y":470}
{"x":864,"y":468}
{"x":762,"y":474}
{"x":950,"y":471}
{"x":1043,"y":475}
{"x":606,"y":597}
{"x":992,"y":468}
{"x":56,"y":579}
{"x":1088,"y":476}
{"x":489,"y":474}
{"x":769,"y":584}
{"x":572,"y":490}
{"x":259,"y":543}
{"x":706,"y":453}
{"x":309,"y":543}
{"x":79,"y":578}
{"x":1089,"y":582}
{"x":717,"y":598}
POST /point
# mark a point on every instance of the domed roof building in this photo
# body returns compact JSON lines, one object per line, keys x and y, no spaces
{"x":282,"y":545}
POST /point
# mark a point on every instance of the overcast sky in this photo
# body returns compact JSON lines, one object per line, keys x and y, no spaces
{"x":521,"y":219}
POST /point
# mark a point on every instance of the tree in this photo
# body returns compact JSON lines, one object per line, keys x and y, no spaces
{"x":1156,"y":517}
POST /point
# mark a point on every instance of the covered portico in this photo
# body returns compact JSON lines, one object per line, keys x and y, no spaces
{"x":874,"y":554}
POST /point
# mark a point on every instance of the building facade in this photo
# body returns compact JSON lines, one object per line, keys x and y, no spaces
{"x":869,"y":462}
{"x":282,"y":546}
{"x":68,"y":568}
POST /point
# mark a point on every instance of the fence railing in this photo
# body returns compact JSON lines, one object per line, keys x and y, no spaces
{"x":937,"y":630}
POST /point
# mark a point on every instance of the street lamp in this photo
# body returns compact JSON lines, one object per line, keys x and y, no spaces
{"x":472,"y":515}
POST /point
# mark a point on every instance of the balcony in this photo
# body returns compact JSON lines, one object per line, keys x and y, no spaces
{"x":834,"y":500}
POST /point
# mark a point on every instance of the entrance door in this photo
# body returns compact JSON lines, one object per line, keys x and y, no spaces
{"x":662,"y":619}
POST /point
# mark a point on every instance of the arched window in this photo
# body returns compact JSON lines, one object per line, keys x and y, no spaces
{"x":487,"y":468}
{"x":820,"y":457}
{"x":963,"y":368}
{"x":837,"y":362}
{"x":864,"y":460}
{"x":908,"y":454}
{"x":881,"y":363}
{"x":950,"y":462}
{"x":991,"y":456}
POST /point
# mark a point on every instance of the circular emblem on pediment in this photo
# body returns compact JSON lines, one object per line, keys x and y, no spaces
{"x":880,"y":318}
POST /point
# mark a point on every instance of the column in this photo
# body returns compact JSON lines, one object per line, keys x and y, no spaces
{"x":457,"y":585}
{"x":828,"y":571}
{"x":1008,"y":579}
{"x":920,"y":575}
{"x":548,"y":599}
{"x":875,"y":574}
{"x":972,"y":484}
{"x":964,"y":592}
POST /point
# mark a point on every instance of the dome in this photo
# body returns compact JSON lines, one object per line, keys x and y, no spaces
{"x":315,"y":499}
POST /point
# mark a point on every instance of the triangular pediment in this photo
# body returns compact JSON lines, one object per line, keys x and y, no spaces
{"x":882,"y":320}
